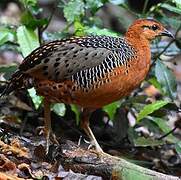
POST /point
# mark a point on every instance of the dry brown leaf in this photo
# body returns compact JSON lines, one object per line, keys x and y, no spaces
{"x":6,"y":164}
{"x":18,"y":103}
{"x":13,"y":120}
{"x":23,"y":166}
{"x":7,"y":176}
{"x":36,"y":174}
{"x":14,"y":148}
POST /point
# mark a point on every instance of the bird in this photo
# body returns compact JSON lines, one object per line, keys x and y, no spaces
{"x":89,"y":71}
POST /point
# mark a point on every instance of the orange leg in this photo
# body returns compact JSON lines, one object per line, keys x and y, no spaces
{"x":85,"y":126}
{"x":48,"y":130}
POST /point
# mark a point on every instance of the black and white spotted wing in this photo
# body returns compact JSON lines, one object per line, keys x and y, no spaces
{"x":84,"y":60}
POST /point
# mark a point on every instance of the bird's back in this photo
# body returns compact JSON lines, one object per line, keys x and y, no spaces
{"x":59,"y":60}
{"x":81,"y":70}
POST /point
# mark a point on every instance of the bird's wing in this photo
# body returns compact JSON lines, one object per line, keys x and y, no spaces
{"x":60,"y":60}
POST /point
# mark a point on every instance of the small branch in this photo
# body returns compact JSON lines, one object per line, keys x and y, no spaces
{"x":166,"y":47}
{"x":50,"y":18}
{"x":42,"y":29}
{"x":104,"y":165}
{"x":4,"y":82}
{"x":158,"y":56}
{"x":165,"y":135}
{"x":145,"y":6}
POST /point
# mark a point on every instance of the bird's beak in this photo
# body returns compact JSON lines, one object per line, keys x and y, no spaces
{"x":167,"y":33}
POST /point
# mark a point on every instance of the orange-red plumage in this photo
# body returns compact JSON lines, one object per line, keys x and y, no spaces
{"x":89,"y":71}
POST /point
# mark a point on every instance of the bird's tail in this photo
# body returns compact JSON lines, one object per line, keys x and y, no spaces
{"x":17,"y":81}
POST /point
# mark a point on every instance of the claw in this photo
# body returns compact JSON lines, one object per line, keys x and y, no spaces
{"x":88,"y":131}
{"x":50,"y":137}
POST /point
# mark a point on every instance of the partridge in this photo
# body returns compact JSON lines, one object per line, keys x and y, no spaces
{"x":90,"y":71}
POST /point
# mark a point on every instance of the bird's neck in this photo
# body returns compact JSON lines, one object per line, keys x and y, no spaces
{"x":136,"y":39}
{"x":141,"y":46}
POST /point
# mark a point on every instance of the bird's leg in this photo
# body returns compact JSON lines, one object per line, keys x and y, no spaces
{"x":85,"y":126}
{"x":47,"y":120}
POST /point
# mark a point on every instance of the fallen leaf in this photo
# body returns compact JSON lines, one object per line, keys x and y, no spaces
{"x":6,"y":164}
{"x":14,"y":148}
{"x":7,"y":176}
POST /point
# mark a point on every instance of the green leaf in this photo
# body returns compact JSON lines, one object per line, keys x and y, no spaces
{"x":178,"y":3}
{"x":31,"y":5}
{"x":27,"y":18}
{"x":155,"y":83}
{"x":28,"y":2}
{"x":74,"y":9}
{"x":55,"y":35}
{"x":173,"y":22}
{"x":117,"y":2}
{"x":93,"y":5}
{"x":59,"y":109}
{"x":171,"y":8}
{"x":163,"y":125}
{"x":37,"y":100}
{"x":27,"y":39}
{"x":8,"y":70}
{"x":30,"y":21}
{"x":79,"y":28}
{"x":6,"y":35}
{"x":178,"y":147}
{"x":150,"y":108}
{"x":166,"y":78}
{"x":75,"y":109}
{"x":144,"y":142}
{"x":100,"y":31}
{"x":110,"y":109}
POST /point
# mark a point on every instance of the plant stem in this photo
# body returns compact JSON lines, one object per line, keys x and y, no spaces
{"x":166,"y":47}
{"x":145,"y":6}
{"x":165,"y":135}
{"x":5,"y":82}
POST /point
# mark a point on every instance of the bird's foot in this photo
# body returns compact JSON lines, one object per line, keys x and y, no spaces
{"x":53,"y":138}
{"x":98,"y":150}
{"x":92,"y":144}
{"x":50,"y":137}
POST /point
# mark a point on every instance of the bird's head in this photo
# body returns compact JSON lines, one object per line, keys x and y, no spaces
{"x":148,"y":29}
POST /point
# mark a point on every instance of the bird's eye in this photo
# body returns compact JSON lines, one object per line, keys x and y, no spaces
{"x":154,"y":27}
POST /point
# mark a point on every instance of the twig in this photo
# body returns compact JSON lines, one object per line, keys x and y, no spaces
{"x":158,"y":55}
{"x":42,"y":29}
{"x":165,"y":135}
{"x":50,"y":17}
{"x":145,"y":6}
{"x":104,"y":165}
{"x":5,"y":82}
{"x":166,"y":47}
